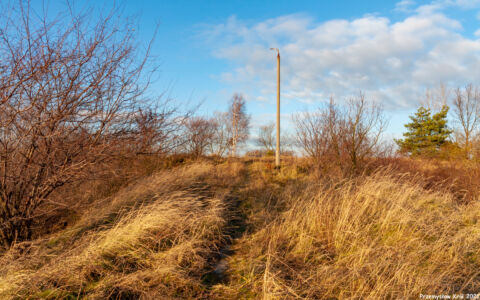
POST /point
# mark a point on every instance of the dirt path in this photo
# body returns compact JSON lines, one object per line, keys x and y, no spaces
{"x":233,"y":230}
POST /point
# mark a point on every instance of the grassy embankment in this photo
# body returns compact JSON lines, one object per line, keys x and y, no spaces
{"x":232,"y":230}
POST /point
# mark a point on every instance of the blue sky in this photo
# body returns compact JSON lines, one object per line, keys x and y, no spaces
{"x":393,"y":51}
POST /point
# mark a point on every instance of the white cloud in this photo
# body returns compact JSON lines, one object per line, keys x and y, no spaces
{"x":467,"y":3}
{"x":393,"y":62}
{"x":439,"y":5}
{"x":404,"y":5}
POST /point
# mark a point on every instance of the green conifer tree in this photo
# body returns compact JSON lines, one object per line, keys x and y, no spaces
{"x":426,"y":133}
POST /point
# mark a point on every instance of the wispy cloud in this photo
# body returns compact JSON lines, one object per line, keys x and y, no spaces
{"x":392,"y":62}
{"x":405,"y":6}
{"x":439,"y":5}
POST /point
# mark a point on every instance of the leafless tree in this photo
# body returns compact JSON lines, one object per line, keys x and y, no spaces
{"x":266,"y":137}
{"x":240,"y":121}
{"x":436,"y":98}
{"x":466,"y":105}
{"x":68,"y":92}
{"x":222,"y":136}
{"x":346,"y":136}
{"x":199,"y":135}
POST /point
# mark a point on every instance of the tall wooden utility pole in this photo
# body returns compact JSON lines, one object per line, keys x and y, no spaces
{"x":277,"y":151}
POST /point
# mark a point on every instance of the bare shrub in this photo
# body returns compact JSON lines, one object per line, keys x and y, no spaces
{"x":156,"y":130}
{"x":344,"y":136}
{"x":266,"y":137}
{"x":364,"y":126}
{"x":199,"y":135}
{"x":68,"y":91}
{"x":317,"y":132}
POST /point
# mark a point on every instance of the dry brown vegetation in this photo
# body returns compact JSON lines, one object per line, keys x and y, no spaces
{"x":241,"y":229}
{"x":345,"y":136}
{"x":153,"y":238}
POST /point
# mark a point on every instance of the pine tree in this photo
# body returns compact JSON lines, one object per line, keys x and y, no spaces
{"x":426,"y":133}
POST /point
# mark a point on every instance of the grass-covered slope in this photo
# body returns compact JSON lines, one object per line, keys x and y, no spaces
{"x":244,"y":231}
{"x":152,"y":239}
{"x":372,"y":238}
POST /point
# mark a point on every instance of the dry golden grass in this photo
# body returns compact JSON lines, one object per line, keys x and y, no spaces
{"x":369,"y":238}
{"x":151,"y":240}
{"x":290,"y":234}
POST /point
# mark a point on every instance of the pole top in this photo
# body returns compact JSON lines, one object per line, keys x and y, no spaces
{"x":276,"y":49}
